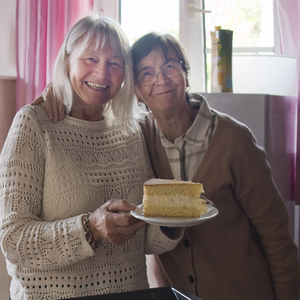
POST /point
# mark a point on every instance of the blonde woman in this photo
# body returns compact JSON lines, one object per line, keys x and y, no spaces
{"x":66,"y":189}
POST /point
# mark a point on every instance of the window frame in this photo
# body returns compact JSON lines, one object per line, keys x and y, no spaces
{"x":192,"y":38}
{"x":108,"y":8}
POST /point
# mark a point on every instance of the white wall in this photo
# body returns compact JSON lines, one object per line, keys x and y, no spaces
{"x":8,"y":38}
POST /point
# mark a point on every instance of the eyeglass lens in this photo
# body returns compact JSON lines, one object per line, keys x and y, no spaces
{"x":169,"y":70}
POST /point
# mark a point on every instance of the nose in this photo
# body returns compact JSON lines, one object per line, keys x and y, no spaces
{"x":101,"y":70}
{"x":161,"y":78}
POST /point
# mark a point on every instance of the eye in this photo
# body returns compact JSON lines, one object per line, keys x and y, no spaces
{"x":147,"y":74}
{"x":90,"y":60}
{"x":170,"y":66}
{"x":116,"y":65}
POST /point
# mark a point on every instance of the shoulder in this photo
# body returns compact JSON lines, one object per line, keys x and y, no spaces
{"x":232,"y":128}
{"x":26,"y":131}
{"x":228,"y":127}
{"x":30,"y":122}
{"x":30,"y":113}
{"x":234,"y":140}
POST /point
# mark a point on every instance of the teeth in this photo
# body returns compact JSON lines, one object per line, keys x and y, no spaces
{"x":96,"y":85}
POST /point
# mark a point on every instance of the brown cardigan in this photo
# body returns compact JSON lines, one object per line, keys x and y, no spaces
{"x":246,"y":252}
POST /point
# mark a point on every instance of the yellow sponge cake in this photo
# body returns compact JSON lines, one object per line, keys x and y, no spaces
{"x":173,"y":198}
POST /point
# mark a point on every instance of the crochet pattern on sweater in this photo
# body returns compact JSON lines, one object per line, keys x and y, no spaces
{"x":51,"y":174}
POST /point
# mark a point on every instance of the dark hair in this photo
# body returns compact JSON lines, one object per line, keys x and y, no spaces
{"x":153,"y":40}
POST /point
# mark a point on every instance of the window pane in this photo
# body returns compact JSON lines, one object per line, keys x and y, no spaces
{"x":251,"y":21}
{"x":140,"y":17}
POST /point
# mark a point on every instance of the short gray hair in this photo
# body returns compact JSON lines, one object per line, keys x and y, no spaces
{"x":121,"y":107}
{"x":154,"y":40}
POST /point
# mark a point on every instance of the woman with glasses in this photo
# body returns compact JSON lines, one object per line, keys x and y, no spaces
{"x":247,"y":251}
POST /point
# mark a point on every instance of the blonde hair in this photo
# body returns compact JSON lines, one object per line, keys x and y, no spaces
{"x":120,"y":109}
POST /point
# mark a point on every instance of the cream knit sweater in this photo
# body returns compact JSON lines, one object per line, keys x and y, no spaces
{"x":51,"y":174}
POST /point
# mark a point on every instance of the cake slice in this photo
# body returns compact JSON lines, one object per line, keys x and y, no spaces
{"x":173,"y":198}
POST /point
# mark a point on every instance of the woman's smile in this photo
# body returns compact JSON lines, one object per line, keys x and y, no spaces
{"x":165,"y":92}
{"x":96,"y":86}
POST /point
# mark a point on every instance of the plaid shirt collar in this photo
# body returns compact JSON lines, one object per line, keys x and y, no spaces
{"x":196,"y":133}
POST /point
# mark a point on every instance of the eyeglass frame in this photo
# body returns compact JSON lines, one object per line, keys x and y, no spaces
{"x":179,"y":67}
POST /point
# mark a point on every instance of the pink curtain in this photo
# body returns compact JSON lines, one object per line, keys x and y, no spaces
{"x":289,"y":108}
{"x":41,"y":28}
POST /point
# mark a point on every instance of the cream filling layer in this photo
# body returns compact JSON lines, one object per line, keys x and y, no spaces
{"x":173,"y":201}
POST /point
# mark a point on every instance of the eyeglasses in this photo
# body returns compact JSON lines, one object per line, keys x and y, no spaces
{"x":149,"y":77}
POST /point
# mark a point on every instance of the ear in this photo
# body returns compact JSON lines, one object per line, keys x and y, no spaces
{"x":187,"y":84}
{"x":138,"y":96}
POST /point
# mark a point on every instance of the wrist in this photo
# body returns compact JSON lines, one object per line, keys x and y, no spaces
{"x":87,"y":231}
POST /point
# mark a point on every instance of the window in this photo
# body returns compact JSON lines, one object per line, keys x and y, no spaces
{"x":167,"y":16}
{"x":140,"y":17}
{"x":252,"y":23}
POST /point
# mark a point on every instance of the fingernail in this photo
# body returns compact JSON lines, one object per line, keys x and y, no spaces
{"x":132,"y":206}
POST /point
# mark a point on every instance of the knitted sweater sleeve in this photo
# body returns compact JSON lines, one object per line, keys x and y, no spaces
{"x":158,"y":243}
{"x":26,"y":239}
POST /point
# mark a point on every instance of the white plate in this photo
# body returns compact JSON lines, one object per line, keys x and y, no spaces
{"x":175,"y":221}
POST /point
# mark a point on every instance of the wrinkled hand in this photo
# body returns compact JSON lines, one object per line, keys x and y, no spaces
{"x":112,"y":222}
{"x":54,"y":107}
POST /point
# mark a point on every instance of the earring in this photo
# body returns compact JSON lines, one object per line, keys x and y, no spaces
{"x":187,"y":89}
{"x":140,"y":102}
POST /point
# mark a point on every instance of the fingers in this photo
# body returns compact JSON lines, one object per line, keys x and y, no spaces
{"x":37,"y":101}
{"x":58,"y":107}
{"x":122,"y":218}
{"x":44,"y":93}
{"x":61,"y":111}
{"x":119,"y":205}
{"x":54,"y":107}
{"x":112,"y":222}
{"x":125,"y":234}
{"x":49,"y":109}
{"x":44,"y":97}
{"x":207,"y":201}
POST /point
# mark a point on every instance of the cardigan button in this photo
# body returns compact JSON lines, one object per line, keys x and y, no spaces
{"x":186,"y":243}
{"x":191,"y":279}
